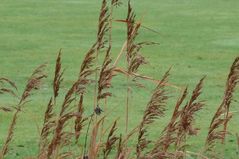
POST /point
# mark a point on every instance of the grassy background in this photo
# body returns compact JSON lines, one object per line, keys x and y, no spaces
{"x":197,"y":38}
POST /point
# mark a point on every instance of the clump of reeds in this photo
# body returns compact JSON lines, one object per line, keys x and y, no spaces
{"x":64,"y":128}
{"x":50,"y":147}
{"x":68,"y":111}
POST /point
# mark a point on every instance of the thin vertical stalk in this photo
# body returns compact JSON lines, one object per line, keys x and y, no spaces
{"x":110,"y":23}
{"x":86,"y":137}
{"x":96,"y":77}
{"x":127,"y":106}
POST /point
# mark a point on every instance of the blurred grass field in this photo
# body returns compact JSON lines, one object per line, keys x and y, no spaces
{"x":196,"y":38}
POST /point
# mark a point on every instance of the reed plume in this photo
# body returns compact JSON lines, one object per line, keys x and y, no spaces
{"x":106,"y":75}
{"x":168,"y":136}
{"x":186,"y":120}
{"x":103,"y":29}
{"x":103,"y":25}
{"x":134,"y":58}
{"x":218,"y":126}
{"x":155,"y":109}
{"x":58,"y":77}
{"x":49,"y":121}
{"x":180,"y":125}
{"x":87,"y":64}
{"x":111,"y":140}
{"x":85,"y":71}
{"x":32,"y":84}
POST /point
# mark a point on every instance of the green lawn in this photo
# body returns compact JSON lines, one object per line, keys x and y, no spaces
{"x":196,"y":37}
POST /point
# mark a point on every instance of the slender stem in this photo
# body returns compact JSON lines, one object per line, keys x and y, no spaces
{"x":120,"y":54}
{"x":147,"y":78}
{"x":96,"y":77}
{"x":127,"y":106}
{"x":110,"y":24}
{"x":86,"y":136}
